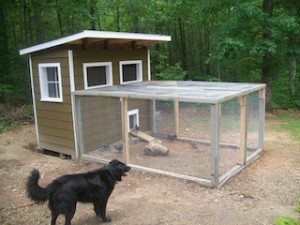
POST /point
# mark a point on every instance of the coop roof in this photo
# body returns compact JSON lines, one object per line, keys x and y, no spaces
{"x":101,"y":37}
{"x":187,"y":91}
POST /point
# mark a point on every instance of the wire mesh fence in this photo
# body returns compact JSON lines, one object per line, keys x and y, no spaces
{"x":183,"y":128}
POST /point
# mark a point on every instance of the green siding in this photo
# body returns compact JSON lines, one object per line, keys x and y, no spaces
{"x":54,"y":120}
{"x":114,"y":56}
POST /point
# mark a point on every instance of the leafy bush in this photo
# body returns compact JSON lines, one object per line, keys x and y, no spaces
{"x":11,"y":117}
{"x":172,"y":73}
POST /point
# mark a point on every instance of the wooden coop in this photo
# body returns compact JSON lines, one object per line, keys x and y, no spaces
{"x":82,"y":61}
{"x":201,"y":131}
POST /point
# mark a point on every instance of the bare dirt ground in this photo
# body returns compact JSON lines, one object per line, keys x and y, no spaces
{"x":258,"y":195}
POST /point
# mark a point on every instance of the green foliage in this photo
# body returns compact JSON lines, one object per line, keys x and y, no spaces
{"x":172,"y":73}
{"x":211,"y":40}
{"x":282,"y":97}
{"x":288,"y":220}
{"x":292,"y":124}
{"x":164,"y":71}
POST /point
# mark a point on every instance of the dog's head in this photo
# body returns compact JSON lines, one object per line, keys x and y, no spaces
{"x":118,"y":169}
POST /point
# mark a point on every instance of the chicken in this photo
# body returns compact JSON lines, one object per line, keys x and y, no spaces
{"x":172,"y":137}
{"x":105,"y":146}
{"x":119,"y":147}
{"x":136,"y":128}
{"x":194,"y":145}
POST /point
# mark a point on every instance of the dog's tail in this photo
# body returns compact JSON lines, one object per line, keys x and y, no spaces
{"x":35,"y":192}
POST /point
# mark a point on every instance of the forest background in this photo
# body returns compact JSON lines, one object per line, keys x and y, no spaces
{"x":212,"y":40}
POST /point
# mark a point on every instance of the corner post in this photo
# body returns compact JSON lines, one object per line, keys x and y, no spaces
{"x":176,"y":117}
{"x":125,"y":130}
{"x":261,"y":129}
{"x":243,"y":129}
{"x":215,"y":141}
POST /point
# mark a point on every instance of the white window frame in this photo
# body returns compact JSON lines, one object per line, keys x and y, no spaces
{"x":139,"y":70}
{"x":44,"y":82}
{"x":108,"y":69}
{"x":130,"y":113}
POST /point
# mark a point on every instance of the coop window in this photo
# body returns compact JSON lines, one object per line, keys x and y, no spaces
{"x":97,"y":74}
{"x":50,"y":82}
{"x":130,"y":71}
{"x":133,"y":119}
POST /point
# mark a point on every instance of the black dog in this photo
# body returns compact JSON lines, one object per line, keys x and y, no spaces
{"x":64,"y":192}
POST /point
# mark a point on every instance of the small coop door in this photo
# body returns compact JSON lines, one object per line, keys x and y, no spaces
{"x":133,"y":119}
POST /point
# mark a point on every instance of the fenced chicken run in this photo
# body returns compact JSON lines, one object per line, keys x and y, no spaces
{"x":201,"y":131}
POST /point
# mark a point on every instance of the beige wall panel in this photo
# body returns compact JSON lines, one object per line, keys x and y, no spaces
{"x":52,"y":53}
{"x":53,"y":107}
{"x":59,"y":116}
{"x":114,"y":56}
{"x":57,"y":140}
{"x":55,"y":124}
{"x":58,"y":148}
{"x":56,"y":132}
{"x":101,"y":122}
{"x":144,"y":112}
{"x":104,"y":116}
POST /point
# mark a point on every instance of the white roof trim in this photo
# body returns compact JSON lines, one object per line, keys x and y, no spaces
{"x":95,"y":34}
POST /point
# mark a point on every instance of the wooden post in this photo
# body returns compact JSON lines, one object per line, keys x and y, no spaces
{"x":261,"y":129}
{"x":243,"y":129}
{"x":154,"y":116}
{"x":125,"y":131}
{"x":215,"y":141}
{"x":176,"y":117}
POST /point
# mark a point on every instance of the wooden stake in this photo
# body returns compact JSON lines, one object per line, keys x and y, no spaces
{"x":176,"y":117}
{"x":261,"y":131}
{"x":125,"y":131}
{"x":243,"y":129}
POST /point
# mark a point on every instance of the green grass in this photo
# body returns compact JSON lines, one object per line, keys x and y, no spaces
{"x":288,"y":220}
{"x":291,"y":123}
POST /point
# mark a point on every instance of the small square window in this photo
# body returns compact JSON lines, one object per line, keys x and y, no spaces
{"x":131,"y":71}
{"x":50,"y":82}
{"x":97,"y":74}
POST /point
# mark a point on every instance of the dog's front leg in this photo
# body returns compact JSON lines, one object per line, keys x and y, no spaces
{"x":100,"y":210}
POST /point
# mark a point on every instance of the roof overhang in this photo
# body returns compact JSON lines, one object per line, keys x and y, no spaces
{"x":104,"y":38}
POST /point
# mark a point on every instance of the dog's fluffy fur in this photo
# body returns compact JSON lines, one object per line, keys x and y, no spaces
{"x":64,"y":192}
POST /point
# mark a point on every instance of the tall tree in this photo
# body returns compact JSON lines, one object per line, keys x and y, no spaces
{"x":93,"y":10}
{"x":267,"y":62}
{"x":59,"y":17}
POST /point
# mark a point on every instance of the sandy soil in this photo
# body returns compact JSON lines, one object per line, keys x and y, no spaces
{"x":258,"y":195}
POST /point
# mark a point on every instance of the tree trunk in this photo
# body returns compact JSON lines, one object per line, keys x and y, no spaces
{"x":59,"y":18}
{"x":267,"y":58}
{"x":38,"y":27}
{"x":293,"y":72}
{"x":92,"y":14}
{"x":118,"y":16}
{"x":206,"y":46}
{"x":4,"y":51}
{"x":183,"y":46}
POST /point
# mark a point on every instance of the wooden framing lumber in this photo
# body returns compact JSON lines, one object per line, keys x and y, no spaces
{"x":243,"y":129}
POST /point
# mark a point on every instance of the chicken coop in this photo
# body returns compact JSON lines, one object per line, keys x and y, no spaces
{"x":201,"y":131}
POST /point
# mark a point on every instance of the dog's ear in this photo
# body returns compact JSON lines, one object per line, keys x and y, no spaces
{"x":114,"y":162}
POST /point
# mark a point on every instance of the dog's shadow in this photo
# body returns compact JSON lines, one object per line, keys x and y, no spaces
{"x":88,"y":221}
{"x":91,"y":219}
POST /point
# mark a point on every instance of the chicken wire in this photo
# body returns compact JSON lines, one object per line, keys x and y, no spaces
{"x":100,"y":126}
